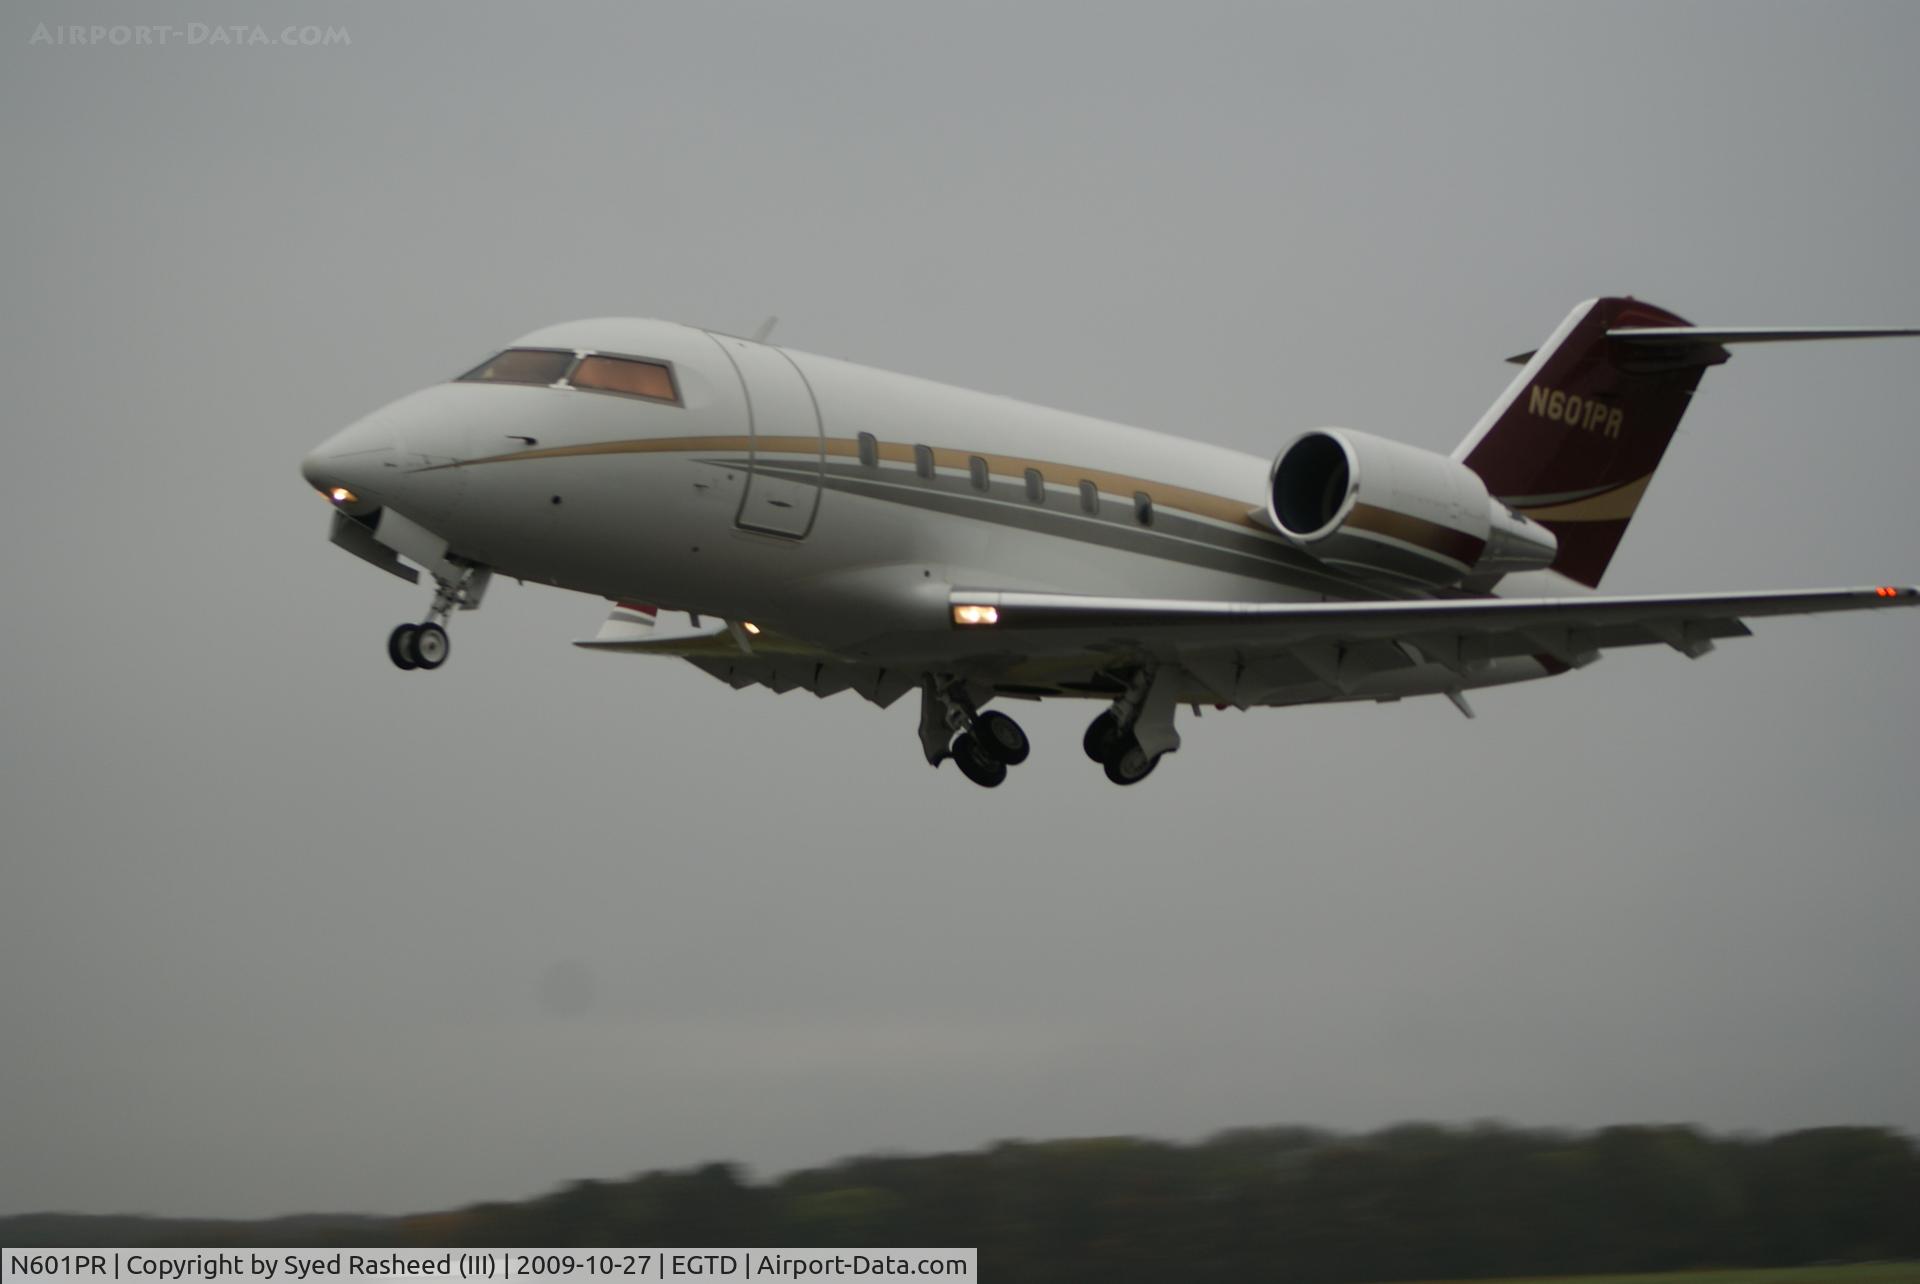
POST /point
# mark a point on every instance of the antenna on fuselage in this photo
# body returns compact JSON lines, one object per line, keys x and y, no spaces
{"x":765,"y":329}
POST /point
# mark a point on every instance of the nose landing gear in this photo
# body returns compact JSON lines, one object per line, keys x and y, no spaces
{"x":425,"y":645}
{"x":418,"y":646}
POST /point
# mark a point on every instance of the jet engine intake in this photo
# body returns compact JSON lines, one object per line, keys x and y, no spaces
{"x":1384,"y":508}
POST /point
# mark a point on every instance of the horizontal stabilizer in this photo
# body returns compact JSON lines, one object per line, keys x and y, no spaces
{"x":1664,"y":336}
{"x":1707,"y":336}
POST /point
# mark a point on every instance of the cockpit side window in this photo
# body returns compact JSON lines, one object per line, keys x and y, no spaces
{"x":521,"y":365}
{"x":626,"y":375}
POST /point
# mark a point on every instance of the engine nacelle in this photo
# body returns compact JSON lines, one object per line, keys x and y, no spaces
{"x":1382,"y":507}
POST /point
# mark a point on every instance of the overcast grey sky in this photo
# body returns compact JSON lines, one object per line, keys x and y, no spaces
{"x":284,"y":929}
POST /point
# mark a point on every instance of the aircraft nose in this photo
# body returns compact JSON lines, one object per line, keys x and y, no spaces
{"x":400,"y":456}
{"x":345,"y":468}
{"x":314,"y":469}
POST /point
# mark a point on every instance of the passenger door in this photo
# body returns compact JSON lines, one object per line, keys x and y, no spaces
{"x":787,"y":445}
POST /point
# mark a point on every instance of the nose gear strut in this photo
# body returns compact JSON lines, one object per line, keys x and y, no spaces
{"x":425,"y":645}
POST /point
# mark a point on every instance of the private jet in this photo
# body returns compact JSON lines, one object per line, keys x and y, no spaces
{"x":827,"y":527}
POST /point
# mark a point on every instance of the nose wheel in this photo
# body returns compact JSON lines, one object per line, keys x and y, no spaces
{"x":400,"y":646}
{"x":418,"y":646}
{"x":425,"y":645}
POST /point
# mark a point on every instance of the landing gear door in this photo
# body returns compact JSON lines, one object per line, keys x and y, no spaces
{"x":788,"y":448}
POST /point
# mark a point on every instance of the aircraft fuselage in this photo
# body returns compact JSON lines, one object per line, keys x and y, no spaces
{"x":827,"y":501}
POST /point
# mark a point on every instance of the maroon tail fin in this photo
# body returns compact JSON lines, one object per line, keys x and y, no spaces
{"x":1575,"y":439}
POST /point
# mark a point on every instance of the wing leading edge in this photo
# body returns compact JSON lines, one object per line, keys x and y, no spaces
{"x":1446,"y":630}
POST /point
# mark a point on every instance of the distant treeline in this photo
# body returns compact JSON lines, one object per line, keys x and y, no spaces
{"x":1296,"y":1204}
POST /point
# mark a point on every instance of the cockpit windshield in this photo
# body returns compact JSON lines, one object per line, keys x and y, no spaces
{"x":593,"y":372}
{"x":521,"y":365}
{"x":627,"y":375}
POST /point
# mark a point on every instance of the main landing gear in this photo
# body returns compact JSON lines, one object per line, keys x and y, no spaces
{"x":982,"y":745}
{"x":1127,"y":740}
{"x":994,"y":743}
{"x":1116,"y":750}
{"x":425,"y":645}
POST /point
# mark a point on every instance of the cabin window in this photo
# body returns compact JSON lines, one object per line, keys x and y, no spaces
{"x":522,"y":365}
{"x":869,"y":450}
{"x":977,"y":472}
{"x":1089,"y":498}
{"x":1036,"y":486}
{"x":627,"y":376}
{"x":1143,"y":508}
{"x":923,"y":461}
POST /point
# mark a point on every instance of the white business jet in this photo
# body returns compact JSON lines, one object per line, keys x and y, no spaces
{"x":839,"y":528}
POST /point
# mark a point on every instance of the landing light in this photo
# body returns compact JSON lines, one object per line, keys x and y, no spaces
{"x":970,"y":614}
{"x":341,"y":495}
{"x":750,"y":627}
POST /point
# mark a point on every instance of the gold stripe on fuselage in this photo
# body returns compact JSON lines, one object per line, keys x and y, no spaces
{"x":1010,"y":467}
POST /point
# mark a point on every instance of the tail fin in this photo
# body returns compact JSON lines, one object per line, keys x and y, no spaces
{"x":1575,"y":439}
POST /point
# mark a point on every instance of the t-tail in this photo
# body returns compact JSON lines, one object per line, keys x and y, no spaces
{"x":1574,"y":441}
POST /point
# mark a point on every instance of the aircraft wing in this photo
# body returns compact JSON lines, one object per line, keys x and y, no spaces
{"x":1453,"y":632}
{"x":767,"y":659}
{"x":1336,"y":643}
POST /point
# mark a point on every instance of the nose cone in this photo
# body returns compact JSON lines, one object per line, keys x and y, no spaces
{"x":347,"y":466}
{"x":404,"y":456}
{"x":314,"y":469}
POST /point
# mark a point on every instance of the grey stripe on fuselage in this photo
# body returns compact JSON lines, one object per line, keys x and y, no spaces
{"x":1172,"y":537}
